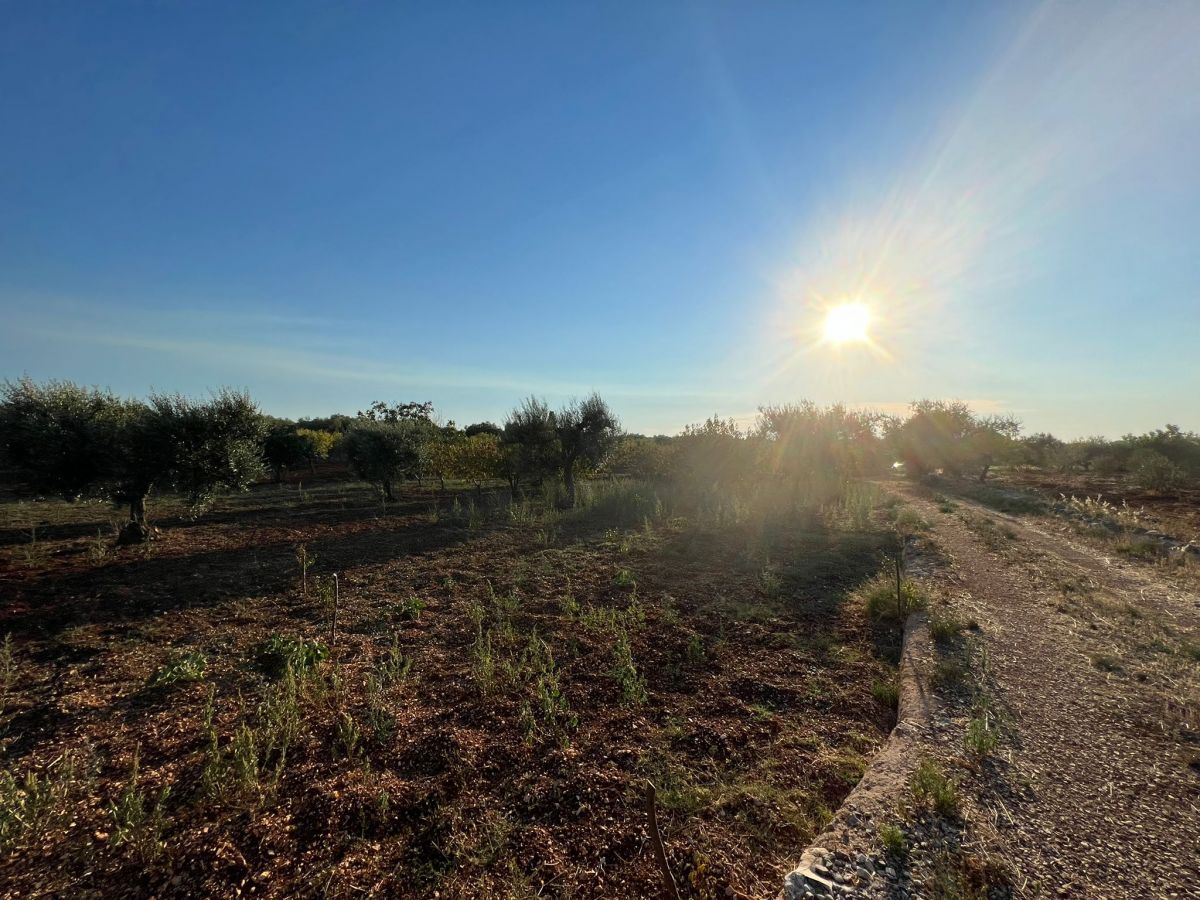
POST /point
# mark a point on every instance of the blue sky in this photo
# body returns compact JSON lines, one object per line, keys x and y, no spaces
{"x":330,"y":203}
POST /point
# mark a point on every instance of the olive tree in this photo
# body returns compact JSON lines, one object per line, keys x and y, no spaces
{"x":79,"y":442}
{"x":284,"y":448}
{"x":531,"y":443}
{"x":197,"y":448}
{"x":385,"y":452}
{"x":60,"y":437}
{"x":587,"y":431}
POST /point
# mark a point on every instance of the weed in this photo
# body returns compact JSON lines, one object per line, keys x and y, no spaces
{"x":931,"y":788}
{"x":33,"y":803}
{"x":137,"y":822}
{"x":568,"y":605}
{"x":883,"y":604}
{"x":944,"y":627}
{"x":409,"y":609}
{"x":625,"y":673}
{"x":483,"y":663}
{"x":348,"y":737}
{"x":1106,"y":662}
{"x":886,"y":694}
{"x":395,"y":666}
{"x":893,"y":839}
{"x":282,"y":653}
{"x":186,"y":667}
{"x":980,"y":739}
{"x":8,"y":671}
{"x":694,"y":654}
{"x":770,"y":582}
{"x":624,"y":579}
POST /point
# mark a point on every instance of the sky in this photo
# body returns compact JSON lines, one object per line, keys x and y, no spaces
{"x":333,"y":203}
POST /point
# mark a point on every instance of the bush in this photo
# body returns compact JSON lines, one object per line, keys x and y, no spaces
{"x":281,"y":653}
{"x":1154,"y":472}
{"x":931,"y":788}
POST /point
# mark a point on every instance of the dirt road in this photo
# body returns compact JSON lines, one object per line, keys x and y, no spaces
{"x":1092,"y":662}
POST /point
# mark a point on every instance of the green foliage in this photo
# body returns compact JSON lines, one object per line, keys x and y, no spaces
{"x":34,"y":803}
{"x":385,"y":452}
{"x":631,"y":683}
{"x":186,"y":667}
{"x":893,"y":840}
{"x":138,"y":822}
{"x":409,"y":609}
{"x":284,"y":653}
{"x":283,"y":448}
{"x":883,"y":605}
{"x":981,"y":738}
{"x":946,"y":435}
{"x":886,"y":694}
{"x":932,"y":789}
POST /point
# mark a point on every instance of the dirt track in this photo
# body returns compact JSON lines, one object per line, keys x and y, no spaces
{"x":1094,"y":790}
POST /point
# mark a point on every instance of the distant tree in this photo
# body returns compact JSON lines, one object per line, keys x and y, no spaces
{"x":79,"y":442}
{"x":1041,"y":449}
{"x":318,"y":444}
{"x":479,"y":458}
{"x":397,"y":412}
{"x":284,"y":447}
{"x":483,"y":428}
{"x":385,"y":452}
{"x":640,"y":457}
{"x":337,"y":423}
{"x":196,"y":448}
{"x":947,"y":435}
{"x":531,"y":443}
{"x":60,"y":437}
{"x":586,"y":432}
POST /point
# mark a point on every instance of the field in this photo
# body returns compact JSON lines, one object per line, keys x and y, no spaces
{"x":503,"y":682}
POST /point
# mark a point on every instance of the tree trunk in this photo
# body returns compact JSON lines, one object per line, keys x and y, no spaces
{"x":387,"y":491}
{"x":983,"y":474}
{"x":569,"y":483}
{"x":136,"y":531}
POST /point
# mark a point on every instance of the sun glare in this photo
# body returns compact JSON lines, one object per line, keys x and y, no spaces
{"x":847,"y":323}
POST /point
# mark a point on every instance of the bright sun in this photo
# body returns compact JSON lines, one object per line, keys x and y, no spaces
{"x":847,"y":323}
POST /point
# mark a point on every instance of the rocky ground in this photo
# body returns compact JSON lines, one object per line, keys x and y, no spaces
{"x":1058,"y":692}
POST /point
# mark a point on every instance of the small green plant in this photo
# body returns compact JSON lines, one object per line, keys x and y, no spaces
{"x":1106,"y":662}
{"x":409,"y":609}
{"x":981,"y":738}
{"x":98,"y":549}
{"x":34,"y":803}
{"x":183,"y":668}
{"x":888,"y":603}
{"x":944,"y":627}
{"x":483,"y":663}
{"x":886,"y":694}
{"x":893,"y":839}
{"x":283,"y":653}
{"x":949,"y":673}
{"x":348,"y":737}
{"x":8,"y":671}
{"x":137,"y":822}
{"x":770,"y":582}
{"x":932,"y":789}
{"x":625,"y":673}
{"x":694,"y":653}
{"x":395,"y":665}
{"x":624,"y":579}
{"x":568,"y":605}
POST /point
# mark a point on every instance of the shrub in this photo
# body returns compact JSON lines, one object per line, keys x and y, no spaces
{"x":1154,"y":472}
{"x":281,"y":653}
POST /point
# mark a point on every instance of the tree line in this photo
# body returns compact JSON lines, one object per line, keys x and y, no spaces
{"x":63,"y":439}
